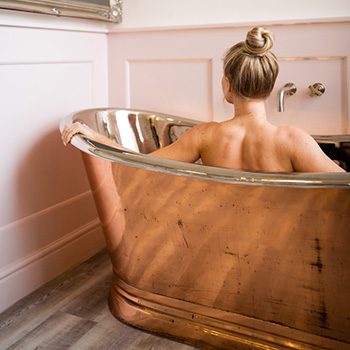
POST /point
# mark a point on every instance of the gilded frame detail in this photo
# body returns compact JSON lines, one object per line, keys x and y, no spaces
{"x":111,"y":12}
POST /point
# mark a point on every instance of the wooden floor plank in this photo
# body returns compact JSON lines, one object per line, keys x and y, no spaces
{"x":101,"y":337}
{"x":31,"y":311}
{"x":92,"y":303}
{"x":58,"y":332}
{"x":158,"y":343}
{"x":71,"y":312}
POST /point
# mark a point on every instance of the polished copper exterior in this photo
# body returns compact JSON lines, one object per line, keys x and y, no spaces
{"x":225,"y":265}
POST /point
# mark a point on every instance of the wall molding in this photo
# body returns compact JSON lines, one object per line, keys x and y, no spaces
{"x":46,"y":211}
{"x":113,"y":29}
{"x":29,"y":273}
{"x":40,"y":232}
{"x":171,"y":60}
{"x":50,"y":248}
{"x":35,"y":62}
{"x":32,"y":263}
{"x":12,"y":18}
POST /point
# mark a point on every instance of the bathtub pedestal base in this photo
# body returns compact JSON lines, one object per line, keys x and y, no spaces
{"x":205,"y":327}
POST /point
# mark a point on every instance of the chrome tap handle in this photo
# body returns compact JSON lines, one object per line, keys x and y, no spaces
{"x":317,"y":89}
{"x":288,"y":89}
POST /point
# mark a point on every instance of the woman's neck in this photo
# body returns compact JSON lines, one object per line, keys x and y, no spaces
{"x":249,"y":108}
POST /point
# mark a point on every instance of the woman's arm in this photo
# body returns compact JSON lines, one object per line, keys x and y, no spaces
{"x":185,"y":149}
{"x":80,"y":129}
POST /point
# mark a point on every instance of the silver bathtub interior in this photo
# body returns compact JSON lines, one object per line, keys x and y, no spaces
{"x":144,"y":131}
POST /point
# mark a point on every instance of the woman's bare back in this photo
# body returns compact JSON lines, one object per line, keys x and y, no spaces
{"x":250,"y":143}
{"x":253,"y":145}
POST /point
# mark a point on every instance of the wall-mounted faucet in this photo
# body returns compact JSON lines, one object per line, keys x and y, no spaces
{"x":317,"y":89}
{"x":288,"y":89}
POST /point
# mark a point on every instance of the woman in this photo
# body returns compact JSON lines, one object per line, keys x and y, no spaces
{"x":247,"y":141}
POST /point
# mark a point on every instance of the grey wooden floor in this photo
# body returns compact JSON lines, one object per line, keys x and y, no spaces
{"x":71,"y":312}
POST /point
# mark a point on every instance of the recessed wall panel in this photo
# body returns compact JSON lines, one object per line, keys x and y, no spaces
{"x":325,"y":114}
{"x":181,"y":87}
{"x":38,"y":171}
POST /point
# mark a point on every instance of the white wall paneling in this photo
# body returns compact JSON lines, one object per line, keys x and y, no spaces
{"x":27,"y":273}
{"x":163,"y":85}
{"x":40,"y":90}
{"x":178,"y":71}
{"x":326,"y":114}
{"x":48,"y":221}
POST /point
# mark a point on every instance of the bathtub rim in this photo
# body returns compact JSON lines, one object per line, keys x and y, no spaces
{"x":224,"y":175}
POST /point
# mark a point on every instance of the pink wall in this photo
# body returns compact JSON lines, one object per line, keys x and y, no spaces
{"x":178,"y":71}
{"x":48,"y":221}
{"x":160,"y":13}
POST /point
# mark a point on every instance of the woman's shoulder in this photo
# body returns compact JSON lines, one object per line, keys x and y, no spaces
{"x":205,"y":128}
{"x":208,"y":125}
{"x":289,"y":133}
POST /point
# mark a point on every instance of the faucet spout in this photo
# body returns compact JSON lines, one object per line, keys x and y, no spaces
{"x":288,"y":89}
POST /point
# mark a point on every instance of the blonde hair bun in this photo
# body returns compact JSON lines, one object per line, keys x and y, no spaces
{"x":250,"y":66}
{"x":258,"y":42}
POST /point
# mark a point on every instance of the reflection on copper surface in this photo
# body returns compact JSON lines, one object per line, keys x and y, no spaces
{"x":226,"y":266}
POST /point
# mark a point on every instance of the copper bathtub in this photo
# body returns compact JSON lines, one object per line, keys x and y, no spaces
{"x":219,"y":258}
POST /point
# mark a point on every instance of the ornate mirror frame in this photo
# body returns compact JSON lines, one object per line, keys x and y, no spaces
{"x":111,"y":11}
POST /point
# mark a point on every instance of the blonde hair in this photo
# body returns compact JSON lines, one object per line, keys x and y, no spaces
{"x":250,"y":66}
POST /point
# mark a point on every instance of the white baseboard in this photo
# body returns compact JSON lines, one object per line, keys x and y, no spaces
{"x":22,"y":277}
